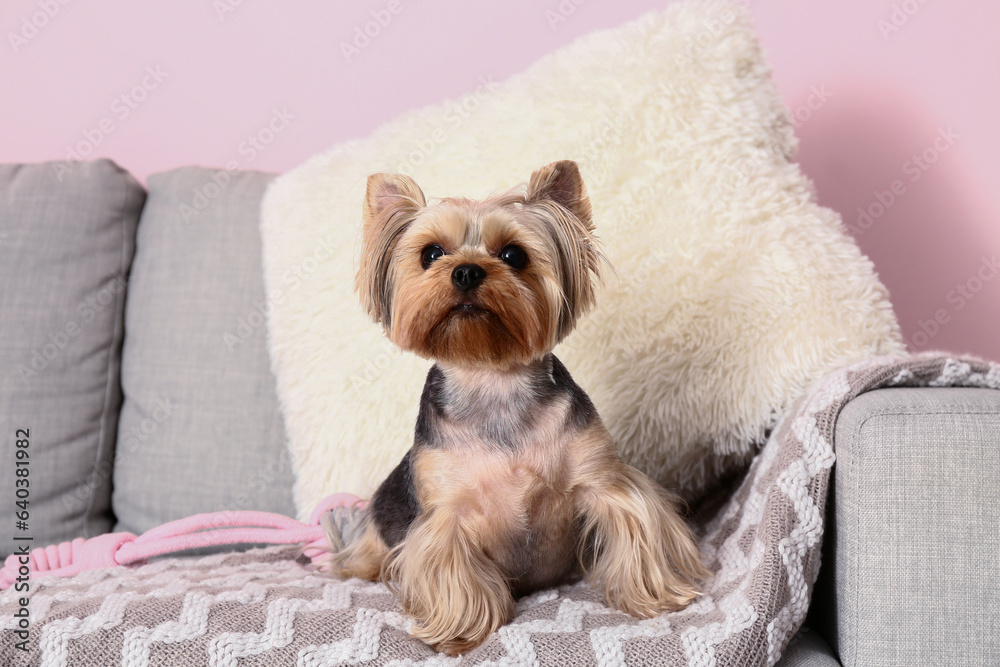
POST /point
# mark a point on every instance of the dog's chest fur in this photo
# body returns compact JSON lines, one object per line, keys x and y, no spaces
{"x":495,"y":449}
{"x":514,"y":411}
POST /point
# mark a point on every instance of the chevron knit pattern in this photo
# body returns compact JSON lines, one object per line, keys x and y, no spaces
{"x":270,"y":607}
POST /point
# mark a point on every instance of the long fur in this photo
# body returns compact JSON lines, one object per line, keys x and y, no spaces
{"x":391,"y":201}
{"x":513,"y":483}
{"x":642,"y":551}
{"x":445,"y":580}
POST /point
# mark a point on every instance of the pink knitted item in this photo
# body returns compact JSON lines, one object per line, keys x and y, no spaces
{"x":200,"y":530}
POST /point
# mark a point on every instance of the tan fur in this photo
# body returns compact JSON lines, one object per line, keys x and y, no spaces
{"x":453,"y":573}
{"x":520,"y":490}
{"x":391,"y":202}
{"x":364,"y":557}
{"x":458,"y":594}
{"x":523,"y":318}
{"x":514,"y":326}
{"x":643,"y":552}
{"x":522,"y":311}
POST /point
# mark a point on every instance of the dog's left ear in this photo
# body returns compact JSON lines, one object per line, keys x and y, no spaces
{"x":391,"y":204}
{"x":579,"y":258}
{"x":561,"y":182}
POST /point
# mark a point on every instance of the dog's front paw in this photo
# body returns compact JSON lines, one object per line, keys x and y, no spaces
{"x":459,"y":645}
{"x":643,"y":552}
{"x":457,"y":612}
{"x":457,"y":633}
{"x":458,"y":618}
{"x":456,"y":594}
{"x":647,"y":601}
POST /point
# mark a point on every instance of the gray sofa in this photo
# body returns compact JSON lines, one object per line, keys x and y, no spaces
{"x":132,"y":322}
{"x":913,"y":536}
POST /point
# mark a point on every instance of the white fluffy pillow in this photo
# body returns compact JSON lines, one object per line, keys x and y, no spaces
{"x":733,"y":292}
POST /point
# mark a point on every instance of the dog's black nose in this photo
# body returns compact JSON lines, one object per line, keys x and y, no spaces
{"x":468,"y":277}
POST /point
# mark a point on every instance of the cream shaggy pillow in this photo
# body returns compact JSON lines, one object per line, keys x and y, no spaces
{"x":734,"y":289}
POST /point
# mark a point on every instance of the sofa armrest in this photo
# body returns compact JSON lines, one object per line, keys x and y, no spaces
{"x":912,"y":550}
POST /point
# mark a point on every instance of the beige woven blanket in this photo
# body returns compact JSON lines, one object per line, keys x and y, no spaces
{"x":266,"y":607}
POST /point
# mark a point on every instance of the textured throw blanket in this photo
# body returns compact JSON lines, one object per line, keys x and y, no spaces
{"x":268,"y":607}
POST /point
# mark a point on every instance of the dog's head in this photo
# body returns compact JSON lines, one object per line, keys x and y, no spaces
{"x":479,"y":283}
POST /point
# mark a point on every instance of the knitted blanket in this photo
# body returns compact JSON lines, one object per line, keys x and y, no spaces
{"x":270,"y":607}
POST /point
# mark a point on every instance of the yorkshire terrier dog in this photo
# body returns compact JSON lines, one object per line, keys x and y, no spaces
{"x":513,"y":483}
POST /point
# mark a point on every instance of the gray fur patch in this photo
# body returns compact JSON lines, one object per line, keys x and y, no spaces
{"x":496,"y":408}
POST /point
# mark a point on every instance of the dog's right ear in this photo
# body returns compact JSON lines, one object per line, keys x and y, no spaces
{"x":391,"y":191}
{"x":391,"y":204}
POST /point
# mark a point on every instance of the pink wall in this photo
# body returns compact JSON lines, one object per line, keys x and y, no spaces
{"x":896,"y":102}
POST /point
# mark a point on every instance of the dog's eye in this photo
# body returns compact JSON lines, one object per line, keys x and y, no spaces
{"x":431,"y":253}
{"x":514,"y":256}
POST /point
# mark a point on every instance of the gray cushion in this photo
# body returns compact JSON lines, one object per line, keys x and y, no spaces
{"x":909,"y":575}
{"x":200,"y":429}
{"x":67,"y":234}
